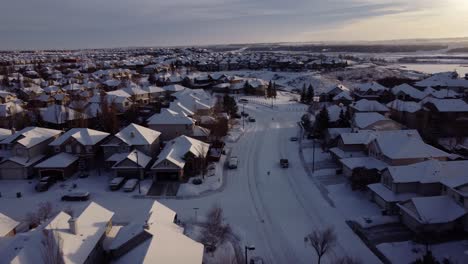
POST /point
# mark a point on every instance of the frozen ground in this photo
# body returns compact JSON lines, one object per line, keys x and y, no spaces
{"x":273,"y":212}
{"x":408,"y":251}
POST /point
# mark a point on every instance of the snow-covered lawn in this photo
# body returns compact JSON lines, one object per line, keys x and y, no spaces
{"x":408,"y":251}
{"x":352,"y":204}
{"x":213,"y":180}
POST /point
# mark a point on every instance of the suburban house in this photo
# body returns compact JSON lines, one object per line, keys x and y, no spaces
{"x":196,"y":100}
{"x":403,"y":147}
{"x":445,"y":117}
{"x":59,"y":116}
{"x":81,"y":238}
{"x":133,"y":137}
{"x":434,"y":214}
{"x":408,"y":113}
{"x":83,"y":143}
{"x":181,"y":157}
{"x":7,"y":226}
{"x":158,"y":240}
{"x":373,"y":121}
{"x":331,"y":92}
{"x":365,"y":105}
{"x":61,"y":166}
{"x":171,"y":124}
{"x":24,"y":149}
{"x":372,"y":91}
{"x":344,"y":98}
{"x":131,"y":164}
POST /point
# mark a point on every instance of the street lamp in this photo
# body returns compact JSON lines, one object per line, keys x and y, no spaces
{"x":243,"y":115}
{"x":196,"y":209}
{"x":139,"y":171}
{"x":248,"y":248}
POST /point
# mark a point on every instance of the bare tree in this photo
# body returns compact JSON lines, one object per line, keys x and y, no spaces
{"x":45,"y":211}
{"x":216,"y":229}
{"x":51,"y":249}
{"x":321,"y":241}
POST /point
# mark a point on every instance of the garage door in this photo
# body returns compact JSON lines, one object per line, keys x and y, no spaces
{"x":127,"y":174}
{"x":11,"y":173}
{"x":57,"y":174}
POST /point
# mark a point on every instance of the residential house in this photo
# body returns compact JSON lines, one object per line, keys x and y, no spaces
{"x":373,"y":121}
{"x":133,"y":137}
{"x":331,"y":92}
{"x":24,"y":149}
{"x":364,"y":105}
{"x":155,"y":241}
{"x":180,"y":158}
{"x":81,"y":239}
{"x":82,"y":143}
{"x":131,"y":164}
{"x":171,"y":124}
{"x":445,"y":117}
{"x":372,"y":91}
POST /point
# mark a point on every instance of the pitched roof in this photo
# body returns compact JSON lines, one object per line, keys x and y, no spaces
{"x":404,"y":106}
{"x":138,"y":135}
{"x":447,"y":105}
{"x":365,"y":119}
{"x":61,"y":160}
{"x":85,"y":136}
{"x":433,"y":209}
{"x":365,"y":105}
{"x":170,"y":117}
{"x":31,"y":136}
{"x":176,"y":149}
{"x":136,"y":156}
{"x":6,"y":224}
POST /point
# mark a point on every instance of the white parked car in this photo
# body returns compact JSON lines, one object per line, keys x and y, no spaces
{"x":130,"y":185}
{"x":116,"y":183}
{"x":233,"y":162}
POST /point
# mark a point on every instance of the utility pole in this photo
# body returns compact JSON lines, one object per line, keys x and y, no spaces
{"x":313,"y":156}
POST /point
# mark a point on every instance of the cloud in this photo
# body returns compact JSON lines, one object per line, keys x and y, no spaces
{"x":103,"y":23}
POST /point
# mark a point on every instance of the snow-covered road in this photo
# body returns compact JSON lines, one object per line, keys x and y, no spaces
{"x":276,"y":211}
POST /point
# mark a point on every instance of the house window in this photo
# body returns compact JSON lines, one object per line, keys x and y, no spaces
{"x":78,"y":149}
{"x":57,"y":149}
{"x":68,"y":148}
{"x":89,"y":149}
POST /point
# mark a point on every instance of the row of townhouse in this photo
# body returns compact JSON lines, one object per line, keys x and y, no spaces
{"x":36,"y":151}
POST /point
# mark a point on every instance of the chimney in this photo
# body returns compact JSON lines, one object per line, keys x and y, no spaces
{"x":73,"y":226}
{"x":146,"y":225}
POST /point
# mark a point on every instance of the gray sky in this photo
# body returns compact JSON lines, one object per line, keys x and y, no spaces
{"x":39,"y":24}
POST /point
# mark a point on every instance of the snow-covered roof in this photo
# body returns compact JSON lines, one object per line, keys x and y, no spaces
{"x":433,"y":209}
{"x":451,"y":173}
{"x":365,"y":105}
{"x":85,"y":136}
{"x":61,"y":160}
{"x":31,"y":136}
{"x":91,"y":226}
{"x":176,"y":106}
{"x":406,"y":144}
{"x":363,"y":120}
{"x":388,"y":195}
{"x":176,"y":149}
{"x":4,"y":133}
{"x":76,"y":248}
{"x":404,"y":106}
{"x":138,"y":135}
{"x":447,"y":105}
{"x":7,"y":224}
{"x":345,"y":95}
{"x":173,"y":88}
{"x":408,"y":90}
{"x":166,"y":238}
{"x":372,"y":86}
{"x":59,"y":114}
{"x":136,"y":156}
{"x":363,"y":162}
{"x":170,"y":117}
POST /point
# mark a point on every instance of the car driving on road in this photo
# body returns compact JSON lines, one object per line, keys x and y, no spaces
{"x":233,"y":162}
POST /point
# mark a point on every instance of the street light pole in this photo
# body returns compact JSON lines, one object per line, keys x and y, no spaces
{"x":313,"y":156}
{"x":139,"y":172}
{"x":243,"y":115}
{"x":196,"y":209}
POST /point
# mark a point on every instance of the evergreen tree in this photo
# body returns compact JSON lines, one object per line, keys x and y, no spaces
{"x":303,"y":94}
{"x":230,"y":105}
{"x":152,"y":79}
{"x":322,"y":121}
{"x":269,"y":90}
{"x":310,"y":94}
{"x":343,"y":121}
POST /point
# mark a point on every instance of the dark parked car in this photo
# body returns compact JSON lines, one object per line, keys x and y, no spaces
{"x":284,"y":163}
{"x":251,"y":119}
{"x":76,"y":196}
{"x":45,"y":183}
{"x":294,"y":139}
{"x":244,"y":114}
